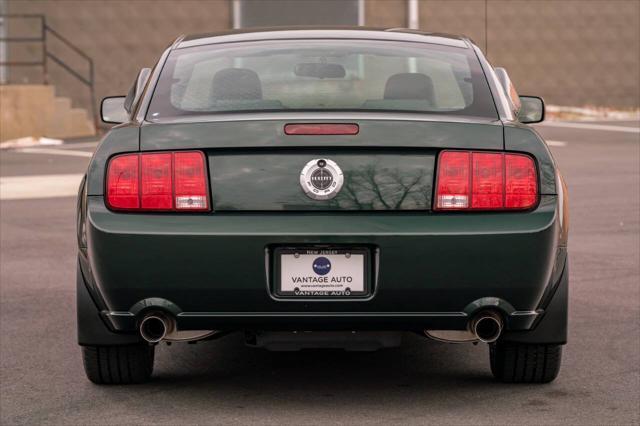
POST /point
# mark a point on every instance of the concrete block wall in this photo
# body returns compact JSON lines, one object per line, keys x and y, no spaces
{"x":121,"y":36}
{"x":571,"y":52}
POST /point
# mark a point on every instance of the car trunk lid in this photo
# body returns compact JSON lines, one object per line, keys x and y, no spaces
{"x":388,"y":165}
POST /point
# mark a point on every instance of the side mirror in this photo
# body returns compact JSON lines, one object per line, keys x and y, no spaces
{"x":112,"y":110}
{"x":532,"y":109}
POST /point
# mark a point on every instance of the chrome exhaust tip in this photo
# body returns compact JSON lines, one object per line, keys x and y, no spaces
{"x":486,"y":326}
{"x":155,"y":326}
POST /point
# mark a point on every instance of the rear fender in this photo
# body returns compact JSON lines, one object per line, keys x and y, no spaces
{"x":551,"y":327}
{"x":122,"y":138}
{"x":92,"y":329}
{"x":522,"y":138}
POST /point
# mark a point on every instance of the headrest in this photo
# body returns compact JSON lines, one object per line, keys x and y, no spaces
{"x":236,"y":84}
{"x":409,"y":86}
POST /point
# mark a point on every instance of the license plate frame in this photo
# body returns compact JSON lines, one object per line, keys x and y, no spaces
{"x":331,"y":293}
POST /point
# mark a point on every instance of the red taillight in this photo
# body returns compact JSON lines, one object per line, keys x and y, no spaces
{"x":190,"y":181}
{"x":485,"y":181}
{"x":122,"y":182}
{"x":521,"y":190}
{"x":321,"y":129}
{"x":453,"y":180}
{"x":158,"y":182}
{"x":156,"y":191}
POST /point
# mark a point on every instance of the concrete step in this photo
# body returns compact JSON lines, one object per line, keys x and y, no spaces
{"x":62,"y":103}
{"x":24,"y":107}
{"x":80,"y":123}
{"x":34,"y":110}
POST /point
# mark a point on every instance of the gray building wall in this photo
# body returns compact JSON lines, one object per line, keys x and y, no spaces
{"x":120,"y":36}
{"x":572,"y":52}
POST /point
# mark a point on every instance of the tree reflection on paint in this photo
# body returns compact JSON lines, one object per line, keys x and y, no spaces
{"x":373,"y":188}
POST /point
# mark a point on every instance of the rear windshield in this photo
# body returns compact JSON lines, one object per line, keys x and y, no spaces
{"x":321,"y":75}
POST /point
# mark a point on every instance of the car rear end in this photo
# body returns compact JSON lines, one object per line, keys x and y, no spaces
{"x":351,"y":189}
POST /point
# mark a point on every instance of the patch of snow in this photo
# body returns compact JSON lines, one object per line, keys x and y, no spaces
{"x":29,"y":141}
{"x":560,"y":113}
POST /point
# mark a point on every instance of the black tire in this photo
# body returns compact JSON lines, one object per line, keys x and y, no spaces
{"x":525,"y":363}
{"x":118,"y":365}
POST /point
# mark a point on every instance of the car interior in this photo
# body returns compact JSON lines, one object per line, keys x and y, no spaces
{"x":241,"y":88}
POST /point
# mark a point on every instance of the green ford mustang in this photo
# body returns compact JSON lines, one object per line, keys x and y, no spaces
{"x":322,"y":188}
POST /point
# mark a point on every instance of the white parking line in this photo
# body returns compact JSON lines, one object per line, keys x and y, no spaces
{"x":52,"y":151}
{"x":39,"y":186}
{"x":557,"y":143}
{"x":588,"y":126}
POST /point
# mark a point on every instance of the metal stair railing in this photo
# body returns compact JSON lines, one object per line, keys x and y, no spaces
{"x":47,"y":33}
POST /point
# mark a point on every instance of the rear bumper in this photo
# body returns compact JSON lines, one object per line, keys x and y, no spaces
{"x":212,"y":271}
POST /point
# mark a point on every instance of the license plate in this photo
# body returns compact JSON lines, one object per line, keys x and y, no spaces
{"x":322,"y":272}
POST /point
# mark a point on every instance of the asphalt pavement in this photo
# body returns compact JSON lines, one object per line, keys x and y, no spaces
{"x":224,"y":382}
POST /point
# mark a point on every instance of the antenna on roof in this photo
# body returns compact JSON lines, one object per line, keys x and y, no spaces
{"x":486,"y":31}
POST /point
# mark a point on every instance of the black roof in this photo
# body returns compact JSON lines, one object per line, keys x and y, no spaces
{"x":276,"y":33}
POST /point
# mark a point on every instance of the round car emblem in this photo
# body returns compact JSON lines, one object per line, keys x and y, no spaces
{"x":321,"y":179}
